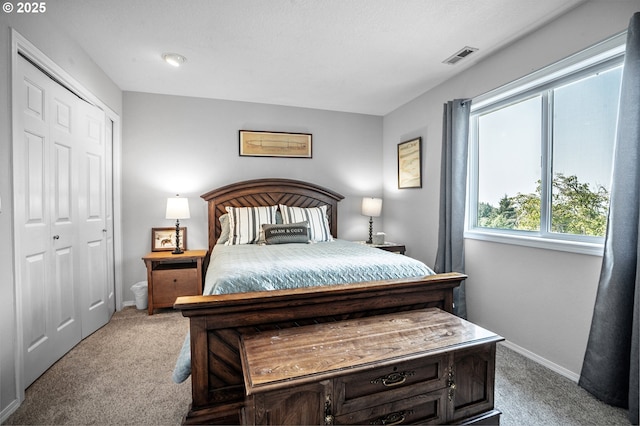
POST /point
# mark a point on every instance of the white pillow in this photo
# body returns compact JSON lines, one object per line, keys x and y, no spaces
{"x":224,"y":229}
{"x":245,"y":223}
{"x":319,"y":229}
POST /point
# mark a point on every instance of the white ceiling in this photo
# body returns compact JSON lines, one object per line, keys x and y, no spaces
{"x":364,"y":56}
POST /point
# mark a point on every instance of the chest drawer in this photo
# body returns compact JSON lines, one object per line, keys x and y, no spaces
{"x":398,"y":381}
{"x":419,"y":409}
{"x":170,"y":283}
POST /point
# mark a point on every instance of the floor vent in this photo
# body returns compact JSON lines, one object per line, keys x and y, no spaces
{"x":460,"y":55}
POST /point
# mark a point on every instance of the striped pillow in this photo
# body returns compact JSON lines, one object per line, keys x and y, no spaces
{"x":245,"y":223}
{"x":319,"y":229}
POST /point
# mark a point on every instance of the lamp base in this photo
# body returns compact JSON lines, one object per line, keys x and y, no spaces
{"x":178,"y":249}
{"x":370,"y":240}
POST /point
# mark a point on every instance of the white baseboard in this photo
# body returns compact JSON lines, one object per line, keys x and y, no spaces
{"x":9,"y":410}
{"x":128,"y":303}
{"x":542,"y":361}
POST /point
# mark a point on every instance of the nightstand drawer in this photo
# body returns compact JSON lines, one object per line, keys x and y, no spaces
{"x":171,"y":283}
{"x":377,"y":386}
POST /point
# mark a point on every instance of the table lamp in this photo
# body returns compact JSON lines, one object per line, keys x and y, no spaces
{"x":177,"y":208}
{"x":371,"y":207}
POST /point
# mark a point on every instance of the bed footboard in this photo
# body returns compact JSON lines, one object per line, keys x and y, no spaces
{"x":216,"y":323}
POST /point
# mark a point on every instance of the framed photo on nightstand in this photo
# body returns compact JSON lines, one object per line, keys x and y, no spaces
{"x":164,"y":239}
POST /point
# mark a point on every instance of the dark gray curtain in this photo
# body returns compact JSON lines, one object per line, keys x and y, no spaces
{"x":453,"y":190}
{"x":610,"y":368}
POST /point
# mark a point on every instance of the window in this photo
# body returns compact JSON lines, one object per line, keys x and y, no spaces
{"x":541,"y":153}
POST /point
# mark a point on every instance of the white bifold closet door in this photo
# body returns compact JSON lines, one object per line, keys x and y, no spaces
{"x":65,"y":271}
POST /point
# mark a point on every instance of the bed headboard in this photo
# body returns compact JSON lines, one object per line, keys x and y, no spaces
{"x":269,"y":192}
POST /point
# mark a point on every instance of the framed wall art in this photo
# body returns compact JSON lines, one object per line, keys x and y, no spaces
{"x":410,"y":164}
{"x":275,"y":144}
{"x":164,"y":239}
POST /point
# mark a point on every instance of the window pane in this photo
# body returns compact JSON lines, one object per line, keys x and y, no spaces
{"x":584,"y":117}
{"x":509,"y":143}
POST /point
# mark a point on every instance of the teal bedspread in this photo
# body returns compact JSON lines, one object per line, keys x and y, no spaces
{"x":251,"y":267}
{"x":274,"y":267}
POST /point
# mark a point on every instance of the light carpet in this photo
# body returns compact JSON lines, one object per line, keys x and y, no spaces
{"x":121,"y":375}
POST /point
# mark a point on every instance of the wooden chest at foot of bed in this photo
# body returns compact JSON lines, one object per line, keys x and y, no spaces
{"x":424,"y":366}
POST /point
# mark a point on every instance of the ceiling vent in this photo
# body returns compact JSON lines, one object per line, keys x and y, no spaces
{"x":460,"y":55}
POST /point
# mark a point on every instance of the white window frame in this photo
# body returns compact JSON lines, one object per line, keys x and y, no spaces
{"x":602,"y":55}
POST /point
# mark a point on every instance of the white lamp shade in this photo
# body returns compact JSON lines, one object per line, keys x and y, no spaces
{"x":178,"y":208}
{"x":371,"y":206}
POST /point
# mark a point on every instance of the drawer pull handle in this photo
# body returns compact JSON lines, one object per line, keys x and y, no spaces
{"x":451,"y":384}
{"x":392,"y":418}
{"x":393,"y":379}
{"x":328,"y":417}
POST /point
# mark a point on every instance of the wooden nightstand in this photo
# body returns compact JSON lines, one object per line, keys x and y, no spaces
{"x":172,"y":275}
{"x":393,"y":247}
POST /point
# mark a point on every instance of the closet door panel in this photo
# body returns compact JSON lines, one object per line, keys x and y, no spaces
{"x":33,"y":225}
{"x":63,"y":173}
{"x":95,"y":255}
{"x":32,"y":176}
{"x":35,"y":301}
{"x":95,"y":202}
{"x":64,"y":216}
{"x":44,"y":215}
{"x":37,"y":328}
{"x":35,"y":254}
{"x":92,"y":210}
{"x":111,"y":296}
{"x":34,"y":103}
{"x":65,"y":312}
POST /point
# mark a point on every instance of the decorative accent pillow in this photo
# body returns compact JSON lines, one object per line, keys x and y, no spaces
{"x":245,"y":223}
{"x":284,"y":234}
{"x":319,"y":229}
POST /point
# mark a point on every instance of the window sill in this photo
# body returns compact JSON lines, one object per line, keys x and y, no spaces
{"x":579,"y":247}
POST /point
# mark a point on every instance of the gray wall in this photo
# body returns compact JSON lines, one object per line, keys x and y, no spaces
{"x":174,"y":144}
{"x":68,"y":55}
{"x":540,"y":300}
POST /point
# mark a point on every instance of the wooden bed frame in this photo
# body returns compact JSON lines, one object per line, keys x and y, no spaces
{"x":216,"y":322}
